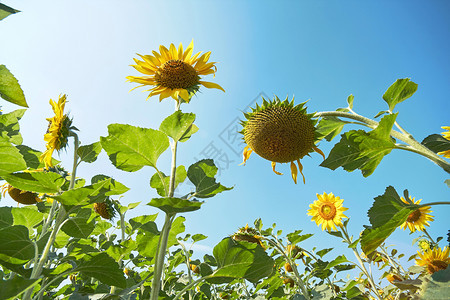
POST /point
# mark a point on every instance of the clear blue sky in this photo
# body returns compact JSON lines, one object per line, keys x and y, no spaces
{"x":317,"y":50}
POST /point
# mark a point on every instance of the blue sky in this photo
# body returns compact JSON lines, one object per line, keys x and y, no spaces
{"x":320,"y":51}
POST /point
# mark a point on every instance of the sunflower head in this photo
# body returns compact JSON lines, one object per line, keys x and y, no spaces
{"x":58,"y":131}
{"x":424,"y":244}
{"x":247,"y":234}
{"x":280,"y":132}
{"x":22,"y":197}
{"x":174,"y":72}
{"x":105,"y":209}
{"x":418,"y":219}
{"x":327,"y":211}
{"x":434,"y":259}
{"x":446,"y":135}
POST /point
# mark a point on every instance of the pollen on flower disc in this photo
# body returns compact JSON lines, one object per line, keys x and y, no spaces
{"x":280,"y":134}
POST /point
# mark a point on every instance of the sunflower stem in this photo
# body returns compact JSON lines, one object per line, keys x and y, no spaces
{"x":404,"y":137}
{"x":75,"y":160}
{"x":429,"y":236}
{"x":189,"y":286}
{"x":435,"y":203}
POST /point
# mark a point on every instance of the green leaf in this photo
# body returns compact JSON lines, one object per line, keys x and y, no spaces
{"x":322,"y":252}
{"x":145,"y":222}
{"x":329,"y":127}
{"x":131,"y":148}
{"x":295,"y":237}
{"x":10,"y":158}
{"x":147,"y":244}
{"x":162,"y":186}
{"x":350,"y":101}
{"x":27,"y":217}
{"x":6,"y":11}
{"x":399,"y":91}
{"x":387,"y":213}
{"x":386,"y":206}
{"x":436,"y":143}
{"x":201,"y":174}
{"x":6,"y":217}
{"x":191,"y":130}
{"x":14,"y":287}
{"x":177,"y":124}
{"x":240,"y":260}
{"x":16,"y":246}
{"x":9,"y":126}
{"x":103,"y":268}
{"x":32,"y":156}
{"x":380,"y":113}
{"x":78,"y":227}
{"x":177,"y":228}
{"x":38,"y":182}
{"x":337,"y":261}
{"x":96,"y":192}
{"x":362,"y":150}
{"x":436,"y":286}
{"x":198,"y":237}
{"x":89,"y":153}
{"x":175,"y":205}
{"x":10,"y":89}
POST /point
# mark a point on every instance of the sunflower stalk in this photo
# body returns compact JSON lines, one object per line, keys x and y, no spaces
{"x":186,"y":255}
{"x":407,"y":138}
{"x":190,"y":286}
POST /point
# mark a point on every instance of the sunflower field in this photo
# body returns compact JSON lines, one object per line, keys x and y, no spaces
{"x":71,"y":236}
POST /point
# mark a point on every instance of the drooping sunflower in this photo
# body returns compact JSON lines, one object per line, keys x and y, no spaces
{"x":174,"y":73}
{"x":22,"y":197}
{"x":59,"y":129}
{"x":434,"y":259}
{"x":248,"y":234}
{"x":446,"y":135}
{"x":419,"y":218}
{"x":281,"y":133}
{"x":327,"y":211}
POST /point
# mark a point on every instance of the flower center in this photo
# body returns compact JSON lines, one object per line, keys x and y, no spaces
{"x":327,"y":211}
{"x":414,"y":216}
{"x":280,"y":134}
{"x":176,"y":74}
{"x":436,"y":265}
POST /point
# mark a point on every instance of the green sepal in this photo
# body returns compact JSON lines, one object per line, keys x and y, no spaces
{"x":436,"y":143}
{"x":202,"y":175}
{"x":9,"y":126}
{"x":131,"y":148}
{"x":399,"y":91}
{"x":10,"y":89}
{"x":6,"y":11}
{"x":175,"y":205}
{"x":358,"y":149}
{"x":37,"y":182}
{"x":177,"y":124}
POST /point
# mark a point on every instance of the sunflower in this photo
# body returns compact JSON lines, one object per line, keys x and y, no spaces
{"x":434,"y":259}
{"x":248,"y":234}
{"x":22,"y":197}
{"x":281,"y":133}
{"x":174,"y":73}
{"x":59,"y":129}
{"x":327,"y":211}
{"x":445,"y":134}
{"x":418,"y":218}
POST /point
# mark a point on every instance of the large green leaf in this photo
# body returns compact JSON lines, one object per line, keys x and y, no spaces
{"x":16,"y":247}
{"x":38,"y":182}
{"x":145,"y":222}
{"x":10,"y":158}
{"x":175,"y":205}
{"x":89,"y":153}
{"x":103,"y":268}
{"x":6,"y":217}
{"x":96,"y":192}
{"x":9,"y":126}
{"x":202,"y":174}
{"x":436,"y":286}
{"x":10,"y":89}
{"x":240,"y":260}
{"x":176,"y":228}
{"x":78,"y":227}
{"x":131,"y":148}
{"x":14,"y":287}
{"x":27,"y":217}
{"x":177,"y":124}
{"x":436,"y":143}
{"x":329,"y":127}
{"x":32,"y":157}
{"x":162,"y":184}
{"x":6,"y":11}
{"x":358,"y":149}
{"x":399,"y":91}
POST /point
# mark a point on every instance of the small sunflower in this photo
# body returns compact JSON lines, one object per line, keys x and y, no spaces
{"x":434,"y":259}
{"x":445,"y":134}
{"x":281,"y":133}
{"x":327,"y":211}
{"x":419,"y":218}
{"x":174,"y":73}
{"x":248,"y":234}
{"x":59,"y":129}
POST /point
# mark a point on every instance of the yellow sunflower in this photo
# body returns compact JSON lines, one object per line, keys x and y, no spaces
{"x":419,"y":218}
{"x":327,"y":211}
{"x":445,"y":134}
{"x":434,"y":259}
{"x":281,"y":133}
{"x":59,"y":129}
{"x":174,"y":73}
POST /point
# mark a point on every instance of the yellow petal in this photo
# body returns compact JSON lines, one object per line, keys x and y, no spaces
{"x":246,"y":154}
{"x":211,"y":85}
{"x":300,"y":167}
{"x":173,"y":52}
{"x":184,"y":94}
{"x":180,"y":52}
{"x":294,"y":172}
{"x":273,"y":168}
{"x":319,"y":151}
{"x":188,"y":53}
